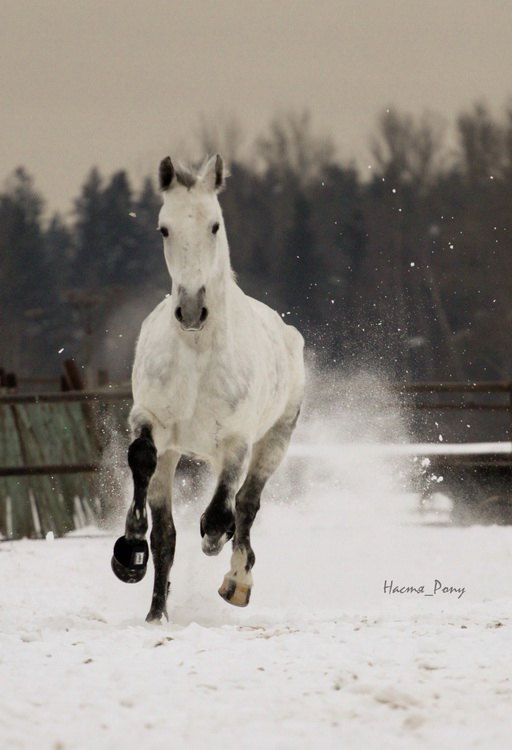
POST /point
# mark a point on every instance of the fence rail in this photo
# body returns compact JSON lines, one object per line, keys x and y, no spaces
{"x":501,"y":386}
{"x":49,"y":469}
{"x":475,"y":397}
{"x":50,"y":448}
{"x":106,"y":394}
{"x":117,"y":394}
{"x":123,"y":393}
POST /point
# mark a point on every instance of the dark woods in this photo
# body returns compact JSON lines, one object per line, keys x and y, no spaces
{"x":406,"y":267}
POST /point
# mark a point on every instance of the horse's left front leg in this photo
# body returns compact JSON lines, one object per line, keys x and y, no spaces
{"x":266,"y":457}
{"x":218,"y":521}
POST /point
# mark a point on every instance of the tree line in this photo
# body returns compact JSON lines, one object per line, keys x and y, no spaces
{"x":405,"y":266}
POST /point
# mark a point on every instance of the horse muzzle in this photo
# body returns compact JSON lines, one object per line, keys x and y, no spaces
{"x":191,"y":312}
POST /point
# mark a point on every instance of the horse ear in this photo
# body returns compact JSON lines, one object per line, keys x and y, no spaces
{"x":214,"y":173}
{"x":166,"y":173}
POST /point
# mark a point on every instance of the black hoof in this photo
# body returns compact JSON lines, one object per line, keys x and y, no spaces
{"x":230,"y":530}
{"x":130,"y":559}
{"x":155,"y":618}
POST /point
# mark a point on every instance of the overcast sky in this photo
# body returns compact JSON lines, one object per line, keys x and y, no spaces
{"x":121,"y":83}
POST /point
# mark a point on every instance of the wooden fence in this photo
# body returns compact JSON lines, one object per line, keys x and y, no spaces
{"x":50,"y":457}
{"x":474,"y":390}
{"x":51,"y":446}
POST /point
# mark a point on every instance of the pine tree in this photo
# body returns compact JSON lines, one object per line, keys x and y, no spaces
{"x":27,"y":279}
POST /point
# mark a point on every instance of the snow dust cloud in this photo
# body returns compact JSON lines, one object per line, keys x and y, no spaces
{"x":331,"y":516}
{"x":115,"y":344}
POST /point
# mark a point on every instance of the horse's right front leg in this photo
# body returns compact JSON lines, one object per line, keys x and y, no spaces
{"x":130,"y":558}
{"x":163,"y":532}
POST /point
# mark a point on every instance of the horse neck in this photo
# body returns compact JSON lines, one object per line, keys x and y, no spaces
{"x":222,"y":286}
{"x":226,"y":271}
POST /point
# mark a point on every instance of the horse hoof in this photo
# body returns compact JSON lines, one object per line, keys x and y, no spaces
{"x":130,"y":559}
{"x":234,"y":592}
{"x":229,"y":533}
{"x":155,"y":618}
{"x":213,"y":545}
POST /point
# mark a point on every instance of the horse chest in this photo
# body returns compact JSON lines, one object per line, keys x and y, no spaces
{"x":207,"y":387}
{"x":180,"y":386}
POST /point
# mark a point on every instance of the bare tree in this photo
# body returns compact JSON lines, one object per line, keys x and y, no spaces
{"x":408,"y":149}
{"x":219,"y":134}
{"x":291,"y":148}
{"x":481,"y":144}
{"x":507,"y":142}
{"x":409,"y":153}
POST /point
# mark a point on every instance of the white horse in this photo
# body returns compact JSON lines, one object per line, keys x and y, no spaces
{"x":217,"y":375}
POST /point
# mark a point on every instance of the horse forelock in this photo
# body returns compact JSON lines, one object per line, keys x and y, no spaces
{"x":189,"y":176}
{"x":186,"y":177}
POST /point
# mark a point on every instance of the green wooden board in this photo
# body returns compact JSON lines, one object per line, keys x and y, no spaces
{"x":43,"y":434}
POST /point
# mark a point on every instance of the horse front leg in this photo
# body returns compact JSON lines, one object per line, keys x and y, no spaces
{"x":130,"y":558}
{"x":217,"y":523}
{"x":266,"y":457}
{"x":163,"y":532}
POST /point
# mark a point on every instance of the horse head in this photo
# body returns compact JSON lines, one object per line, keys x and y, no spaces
{"x":195,"y":243}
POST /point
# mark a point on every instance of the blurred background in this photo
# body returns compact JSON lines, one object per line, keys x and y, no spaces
{"x":370,"y":198}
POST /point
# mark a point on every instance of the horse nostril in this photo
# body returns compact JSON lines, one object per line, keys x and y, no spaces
{"x":204,"y":314}
{"x":178,"y":314}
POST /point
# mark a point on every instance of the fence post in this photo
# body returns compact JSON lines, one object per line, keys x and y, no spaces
{"x":73,"y":378}
{"x":510,"y":409}
{"x":11,"y":381}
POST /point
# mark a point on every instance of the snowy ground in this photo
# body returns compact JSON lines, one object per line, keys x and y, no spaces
{"x":321,"y":658}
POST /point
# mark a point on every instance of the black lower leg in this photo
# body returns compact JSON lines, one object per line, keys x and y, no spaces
{"x":237,"y":584}
{"x":266,"y":456}
{"x":246,"y":507}
{"x":142,"y":462}
{"x":163,"y":544}
{"x":218,"y":517}
{"x":218,"y":520}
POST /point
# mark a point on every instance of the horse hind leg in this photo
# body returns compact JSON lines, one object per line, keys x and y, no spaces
{"x":129,"y":561}
{"x":163,"y":533}
{"x":266,"y":457}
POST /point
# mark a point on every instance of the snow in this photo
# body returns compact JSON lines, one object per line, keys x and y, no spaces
{"x":321,"y":658}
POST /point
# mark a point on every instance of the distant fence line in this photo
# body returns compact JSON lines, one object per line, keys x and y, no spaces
{"x":51,"y":446}
{"x":492,"y":389}
{"x":115,"y":393}
{"x":104,"y":394}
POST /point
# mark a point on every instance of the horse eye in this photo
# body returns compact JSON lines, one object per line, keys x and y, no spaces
{"x":164,"y":231}
{"x":215,"y":228}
